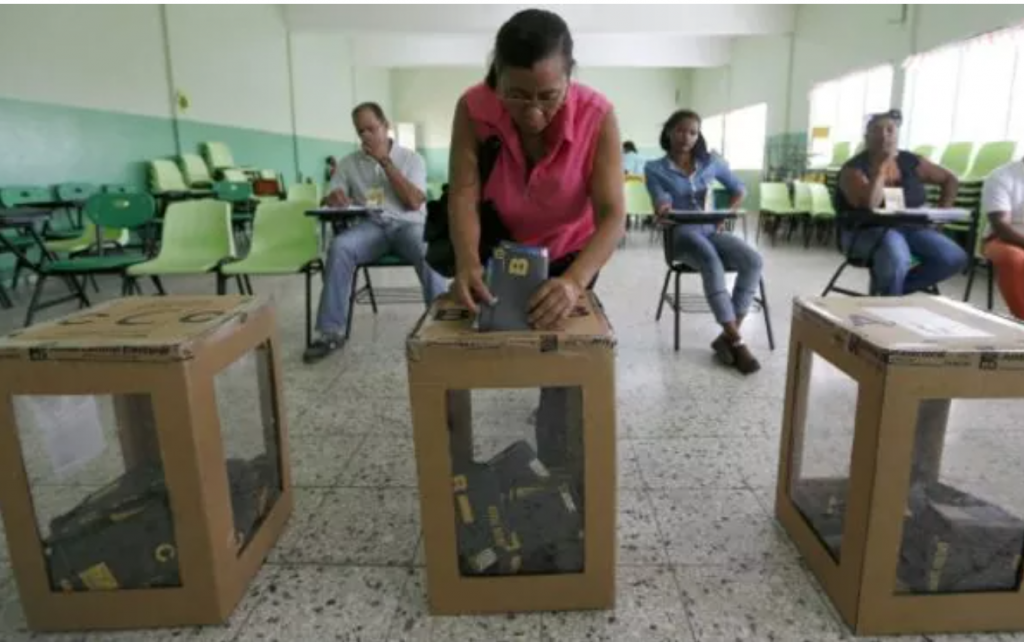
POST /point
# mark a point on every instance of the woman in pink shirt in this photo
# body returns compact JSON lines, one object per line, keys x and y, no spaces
{"x":557,"y":179}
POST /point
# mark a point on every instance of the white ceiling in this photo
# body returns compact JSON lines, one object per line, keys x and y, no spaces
{"x":606,"y":35}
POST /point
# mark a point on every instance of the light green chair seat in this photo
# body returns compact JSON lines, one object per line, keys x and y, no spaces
{"x":802,"y":200}
{"x":106,"y":262}
{"x":196,"y":238}
{"x":774,"y":199}
{"x":840,"y":154}
{"x":821,"y":201}
{"x":87,"y":239}
{"x":638,"y":199}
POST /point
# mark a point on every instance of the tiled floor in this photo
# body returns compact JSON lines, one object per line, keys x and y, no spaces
{"x":701,"y":559}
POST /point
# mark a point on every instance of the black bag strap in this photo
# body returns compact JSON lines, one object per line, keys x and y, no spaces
{"x":487,"y":158}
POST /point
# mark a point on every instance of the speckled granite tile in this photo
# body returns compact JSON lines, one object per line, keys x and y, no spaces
{"x":647,"y":609}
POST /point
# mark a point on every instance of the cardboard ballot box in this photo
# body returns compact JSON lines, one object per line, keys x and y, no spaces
{"x":515,"y":447}
{"x":143,"y":461}
{"x":900,"y":479}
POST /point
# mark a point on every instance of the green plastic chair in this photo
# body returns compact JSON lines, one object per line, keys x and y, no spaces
{"x":196,"y":239}
{"x":840,"y":154}
{"x":239,"y":195}
{"x":802,"y":197}
{"x":989,"y":157}
{"x":218,"y":156}
{"x":823,"y":214}
{"x":76,"y":192}
{"x":194,"y":171}
{"x":924,"y":151}
{"x":120,"y":189}
{"x":24,"y":196}
{"x":957,"y":157}
{"x":775,"y":208}
{"x":87,"y":239}
{"x":115,"y":212}
{"x":284,"y":241}
{"x":305,"y":192}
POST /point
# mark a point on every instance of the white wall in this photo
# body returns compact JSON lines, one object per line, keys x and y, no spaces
{"x":322,"y":83}
{"x":95,"y":56}
{"x":643,"y":98}
{"x":372,"y":84}
{"x":231,"y":61}
{"x":427,"y":97}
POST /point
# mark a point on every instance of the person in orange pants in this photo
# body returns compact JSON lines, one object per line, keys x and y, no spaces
{"x":1003,"y":200}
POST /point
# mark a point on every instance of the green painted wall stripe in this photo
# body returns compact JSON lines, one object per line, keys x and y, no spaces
{"x":45,"y":144}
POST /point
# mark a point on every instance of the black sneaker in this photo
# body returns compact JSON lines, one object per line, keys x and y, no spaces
{"x":322,"y":346}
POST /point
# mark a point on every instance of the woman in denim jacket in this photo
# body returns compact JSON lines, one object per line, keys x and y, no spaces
{"x":680,"y":181}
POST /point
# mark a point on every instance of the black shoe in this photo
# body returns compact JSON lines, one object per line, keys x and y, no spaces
{"x":322,"y":346}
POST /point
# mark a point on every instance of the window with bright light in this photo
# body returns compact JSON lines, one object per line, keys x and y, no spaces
{"x":839,"y":109}
{"x":713,"y":129}
{"x":744,"y":138}
{"x":972,"y":91}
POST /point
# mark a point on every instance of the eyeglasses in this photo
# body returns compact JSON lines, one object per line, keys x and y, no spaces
{"x":545,"y":103}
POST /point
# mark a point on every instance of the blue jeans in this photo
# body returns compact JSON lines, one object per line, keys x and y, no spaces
{"x":365,"y":243}
{"x":713,"y":253}
{"x":895,"y":249}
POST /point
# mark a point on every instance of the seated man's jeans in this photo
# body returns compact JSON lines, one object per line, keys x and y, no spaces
{"x":367,"y":242}
{"x":894,"y":251}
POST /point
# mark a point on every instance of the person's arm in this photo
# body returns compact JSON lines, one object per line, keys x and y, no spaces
{"x":409,"y":183}
{"x":731,"y":182}
{"x":337,"y":195}
{"x":463,"y":211}
{"x":661,"y":199}
{"x":555,"y":299}
{"x":861,"y":191}
{"x":934,"y":174}
{"x":995,"y":201}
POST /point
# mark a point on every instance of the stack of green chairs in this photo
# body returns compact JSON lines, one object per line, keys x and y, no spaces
{"x":195,"y":239}
{"x":167,"y":184}
{"x":776,"y":208}
{"x":22,"y":196}
{"x":114,"y":212}
{"x":990,"y":156}
{"x":802,"y":203}
{"x":823,"y":213}
{"x":284,"y":241}
{"x":195,"y":172}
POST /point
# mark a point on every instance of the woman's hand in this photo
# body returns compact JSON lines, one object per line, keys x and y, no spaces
{"x":553,"y":302}
{"x":468,"y":287}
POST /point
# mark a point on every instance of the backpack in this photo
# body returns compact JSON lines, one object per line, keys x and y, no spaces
{"x":437,"y":234}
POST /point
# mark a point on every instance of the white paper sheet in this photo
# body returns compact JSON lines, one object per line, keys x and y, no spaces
{"x":926,"y":323}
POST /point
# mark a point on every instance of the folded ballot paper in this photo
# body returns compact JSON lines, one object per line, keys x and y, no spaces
{"x":513,"y":275}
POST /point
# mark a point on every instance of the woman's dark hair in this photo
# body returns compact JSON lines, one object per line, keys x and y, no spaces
{"x":374,"y":107}
{"x":700,"y":150}
{"x":894,"y":115}
{"x":527,"y":38}
{"x":629,"y":147}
